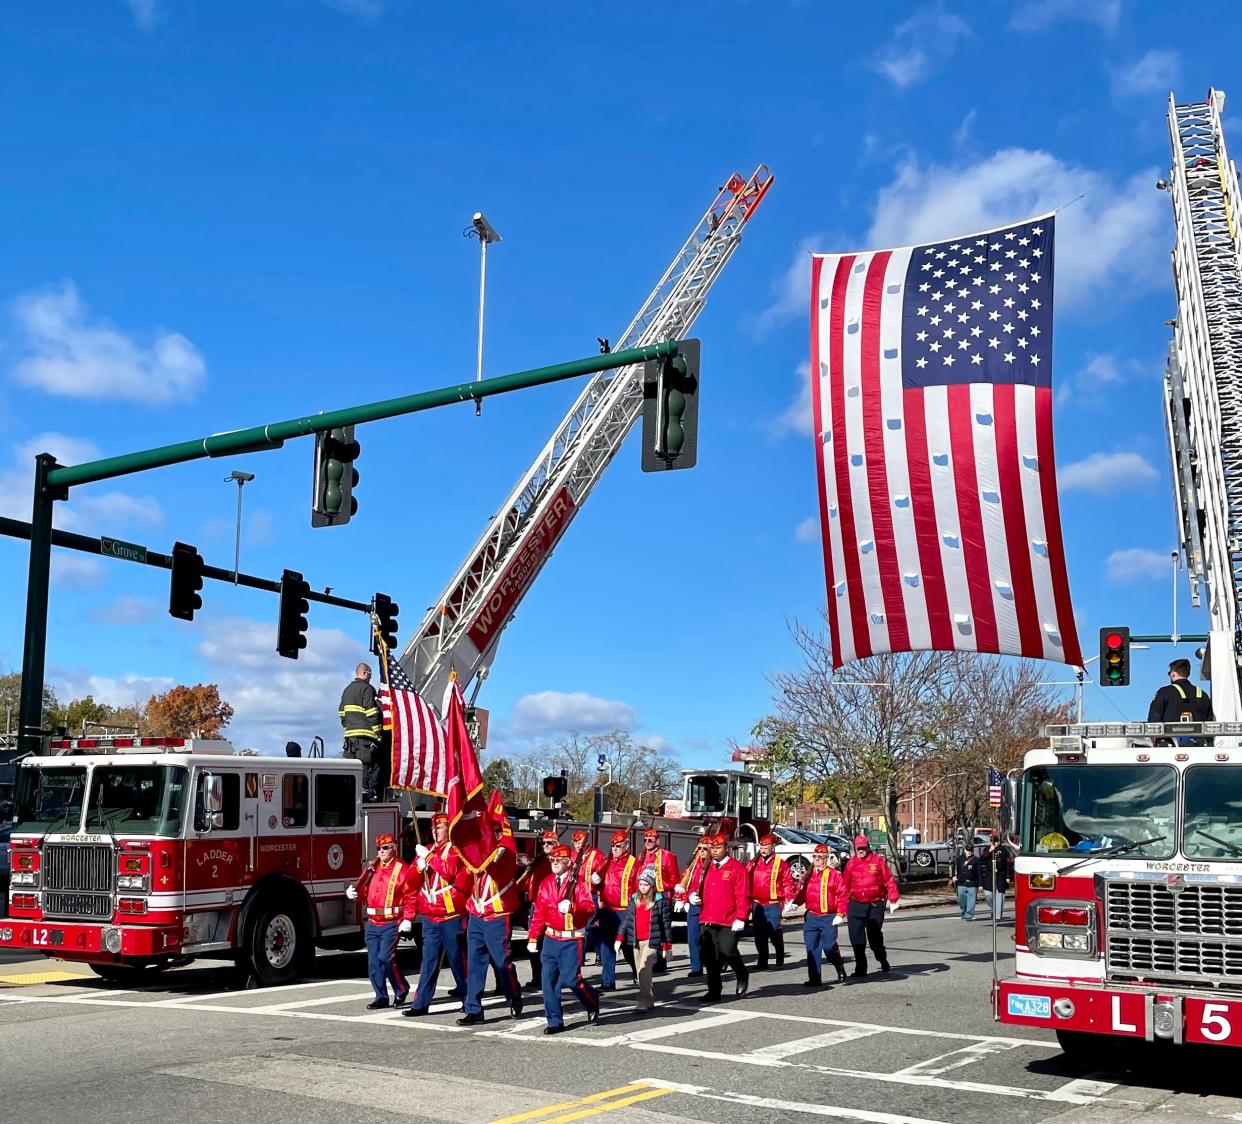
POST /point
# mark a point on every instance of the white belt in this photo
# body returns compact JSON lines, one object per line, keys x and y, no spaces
{"x":566,"y":934}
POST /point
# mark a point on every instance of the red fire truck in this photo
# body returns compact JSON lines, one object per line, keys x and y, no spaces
{"x":1128,"y":911}
{"x":132,"y":854}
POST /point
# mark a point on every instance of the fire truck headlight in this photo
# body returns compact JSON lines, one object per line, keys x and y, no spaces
{"x":112,"y":940}
{"x":24,"y":878}
{"x":6,"y":934}
{"x":1076,"y":942}
{"x":1063,"y":1008}
{"x":1050,"y":940}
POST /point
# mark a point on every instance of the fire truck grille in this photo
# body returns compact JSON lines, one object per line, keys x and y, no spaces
{"x":57,"y":903}
{"x":78,"y":866}
{"x":1154,"y":932}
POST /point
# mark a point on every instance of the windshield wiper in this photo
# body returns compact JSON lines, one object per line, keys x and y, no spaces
{"x":1231,"y":847}
{"x":64,"y":815}
{"x":1120,"y":849}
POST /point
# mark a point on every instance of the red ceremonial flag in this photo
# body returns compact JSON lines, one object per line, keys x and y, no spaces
{"x":471,"y":828}
{"x":931,"y":378}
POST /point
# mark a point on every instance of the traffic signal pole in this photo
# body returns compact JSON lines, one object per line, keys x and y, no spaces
{"x":53,"y":481}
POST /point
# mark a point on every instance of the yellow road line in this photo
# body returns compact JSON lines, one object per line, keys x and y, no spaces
{"x":21,"y":979}
{"x":578,"y":1103}
{"x":648,"y":1095}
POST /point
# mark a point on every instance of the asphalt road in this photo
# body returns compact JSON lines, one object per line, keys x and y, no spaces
{"x":918,"y":1045}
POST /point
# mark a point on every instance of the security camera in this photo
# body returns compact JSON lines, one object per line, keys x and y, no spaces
{"x":483,"y":228}
{"x":241,"y":477}
{"x":1162,"y":185}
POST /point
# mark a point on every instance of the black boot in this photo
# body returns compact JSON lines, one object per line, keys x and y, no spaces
{"x":778,"y":940}
{"x":834,"y":958}
{"x":860,"y":961}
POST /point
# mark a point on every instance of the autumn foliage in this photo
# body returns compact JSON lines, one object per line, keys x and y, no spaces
{"x":183,"y":712}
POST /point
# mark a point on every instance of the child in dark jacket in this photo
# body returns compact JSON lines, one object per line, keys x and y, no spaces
{"x":648,"y":928}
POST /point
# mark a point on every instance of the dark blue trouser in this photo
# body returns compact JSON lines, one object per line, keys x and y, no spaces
{"x":610,"y":922}
{"x":767,"y":922}
{"x":692,"y":936}
{"x":488,"y":942}
{"x":819,"y":935}
{"x":561,"y":962}
{"x":382,"y":959}
{"x":440,"y":937}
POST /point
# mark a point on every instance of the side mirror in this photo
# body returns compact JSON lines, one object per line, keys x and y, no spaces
{"x":1010,"y":811}
{"x":211,"y":789}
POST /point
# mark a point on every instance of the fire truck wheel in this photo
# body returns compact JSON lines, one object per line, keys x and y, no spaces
{"x":280,"y":945}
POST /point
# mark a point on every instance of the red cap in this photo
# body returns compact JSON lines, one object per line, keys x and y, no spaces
{"x":764,"y":840}
{"x":620,"y":836}
{"x":651,"y":833}
{"x":579,"y":836}
{"x":861,"y":841}
{"x":562,"y":851}
{"x":821,"y":848}
{"x":385,"y":837}
{"x":549,"y":836}
{"x":715,"y":840}
{"x":439,"y":817}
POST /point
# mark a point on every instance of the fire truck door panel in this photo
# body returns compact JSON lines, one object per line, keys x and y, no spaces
{"x":283,"y":843}
{"x":219,"y":858}
{"x":336,"y":842}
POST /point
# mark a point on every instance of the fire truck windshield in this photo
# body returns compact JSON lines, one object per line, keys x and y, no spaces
{"x":706,"y":795}
{"x":1213,"y":819}
{"x":137,"y":799}
{"x":49,"y":799}
{"x":1081,"y":809}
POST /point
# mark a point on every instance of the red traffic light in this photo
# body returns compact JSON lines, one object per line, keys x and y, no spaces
{"x":1114,"y":640}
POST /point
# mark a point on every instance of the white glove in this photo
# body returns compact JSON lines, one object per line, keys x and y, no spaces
{"x":695,"y":899}
{"x":421,"y":851}
{"x":892,"y":906}
{"x":789,"y":910}
{"x":564,"y":906}
{"x":406,"y":927}
{"x":840,"y":919}
{"x":680,"y":888}
{"x":594,"y":879}
{"x":532,"y":946}
{"x":738,"y":926}
{"x":679,"y":906}
{"x":421,"y":863}
{"x":351,"y":892}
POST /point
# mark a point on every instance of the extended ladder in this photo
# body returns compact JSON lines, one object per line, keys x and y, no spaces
{"x":462,"y":628}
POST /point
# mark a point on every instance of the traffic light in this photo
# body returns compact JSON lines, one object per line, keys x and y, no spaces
{"x":671,"y":409}
{"x":291,"y":627}
{"x":187,"y":580}
{"x":1114,"y":657}
{"x":333,"y":503}
{"x":386,"y":610}
{"x":556,"y":788}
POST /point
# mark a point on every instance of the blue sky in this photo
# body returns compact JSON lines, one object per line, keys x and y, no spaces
{"x":218,"y":215}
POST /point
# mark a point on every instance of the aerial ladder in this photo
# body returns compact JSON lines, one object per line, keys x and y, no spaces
{"x":462,"y":628}
{"x":1203,"y":381}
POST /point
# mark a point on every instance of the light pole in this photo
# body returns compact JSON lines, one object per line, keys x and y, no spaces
{"x":242,"y":478}
{"x":483,"y":230}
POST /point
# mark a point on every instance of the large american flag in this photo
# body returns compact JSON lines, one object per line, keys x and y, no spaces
{"x":419,"y":755}
{"x":932,"y":389}
{"x":995,"y":784}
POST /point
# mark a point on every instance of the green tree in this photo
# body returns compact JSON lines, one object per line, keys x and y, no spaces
{"x":10,"y":700}
{"x":499,"y":775}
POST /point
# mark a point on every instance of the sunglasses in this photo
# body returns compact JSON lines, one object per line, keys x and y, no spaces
{"x":385,"y":847}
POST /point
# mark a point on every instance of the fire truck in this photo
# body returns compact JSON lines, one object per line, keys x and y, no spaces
{"x":1129,"y":866}
{"x":135,"y":854}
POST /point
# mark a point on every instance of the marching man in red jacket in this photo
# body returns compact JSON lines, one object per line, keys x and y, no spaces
{"x":871,"y":888}
{"x":392,"y":904}
{"x":722,"y":916}
{"x":771,"y":887}
{"x":492,"y":901}
{"x":559,"y":915}
{"x":823,"y":894}
{"x":442,"y":904}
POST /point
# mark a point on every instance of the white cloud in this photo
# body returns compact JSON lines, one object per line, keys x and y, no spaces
{"x":920,"y":45}
{"x":126,"y":610}
{"x":71,"y":570}
{"x":1035,"y":15}
{"x":1137,"y":564}
{"x":552,"y":712}
{"x":121,"y":690}
{"x":791,"y":291}
{"x":1155,"y":73}
{"x":146,"y":13}
{"x":1099,"y":378}
{"x":66,"y":352}
{"x":799,"y":416}
{"x":1106,"y":472}
{"x":1112,"y":239}
{"x":807,"y":530}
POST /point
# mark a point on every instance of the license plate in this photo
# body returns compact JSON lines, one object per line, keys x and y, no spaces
{"x":1029,"y":1006}
{"x":42,"y":937}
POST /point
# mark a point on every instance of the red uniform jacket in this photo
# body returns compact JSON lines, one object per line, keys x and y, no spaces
{"x":546,"y":916}
{"x":592,"y":863}
{"x":392,"y":892}
{"x":771,"y":881}
{"x":495,"y":892}
{"x":446,"y":883}
{"x":725,"y":896}
{"x":665,"y":863}
{"x":536,"y":874}
{"x":823,"y":893}
{"x":620,"y":881}
{"x":691,"y":880}
{"x":869,"y":879}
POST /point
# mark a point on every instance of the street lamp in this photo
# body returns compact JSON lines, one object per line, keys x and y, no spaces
{"x":483,"y":230}
{"x":242,"y":478}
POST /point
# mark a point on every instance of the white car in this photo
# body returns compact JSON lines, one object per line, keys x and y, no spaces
{"x":796,"y":847}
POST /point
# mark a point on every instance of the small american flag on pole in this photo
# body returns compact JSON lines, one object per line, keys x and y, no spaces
{"x":419,"y":756}
{"x":995,"y":783}
{"x":931,"y":377}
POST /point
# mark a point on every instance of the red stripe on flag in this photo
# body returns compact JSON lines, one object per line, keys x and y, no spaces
{"x":873,"y":445}
{"x":970,"y":518}
{"x":1017,"y":535}
{"x":840,"y":457}
{"x":1065,"y":622}
{"x":817,"y":265}
{"x":923,"y":502}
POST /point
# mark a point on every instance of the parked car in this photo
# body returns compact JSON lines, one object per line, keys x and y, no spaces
{"x":927,"y":855}
{"x":797,"y":845}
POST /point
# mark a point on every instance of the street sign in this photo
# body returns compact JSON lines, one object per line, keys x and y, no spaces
{"x":127,"y":551}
